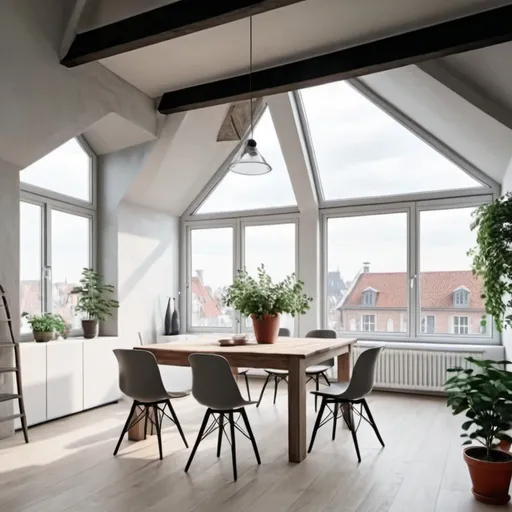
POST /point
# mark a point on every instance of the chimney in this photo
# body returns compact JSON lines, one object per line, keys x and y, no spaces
{"x":366,"y":266}
{"x":200,"y":275}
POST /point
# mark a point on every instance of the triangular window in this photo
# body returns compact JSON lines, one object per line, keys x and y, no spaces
{"x":236,"y":192}
{"x":361,"y":151}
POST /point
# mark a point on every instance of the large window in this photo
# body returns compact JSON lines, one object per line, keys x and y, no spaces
{"x":211,"y":272}
{"x":215,"y":251}
{"x":56,"y":234}
{"x":367,"y":254}
{"x":66,"y":170}
{"x":361,"y":151}
{"x":448,"y":289}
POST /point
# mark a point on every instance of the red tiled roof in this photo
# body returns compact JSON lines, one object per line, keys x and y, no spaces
{"x":436,"y":289}
{"x":209,"y":305}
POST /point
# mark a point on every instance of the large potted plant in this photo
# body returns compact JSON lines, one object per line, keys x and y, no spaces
{"x":264,"y":301}
{"x":45,"y":326}
{"x":484,"y":394}
{"x":94,"y":300}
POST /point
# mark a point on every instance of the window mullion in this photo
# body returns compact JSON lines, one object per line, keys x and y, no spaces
{"x":47,"y":258}
{"x":413,"y":273}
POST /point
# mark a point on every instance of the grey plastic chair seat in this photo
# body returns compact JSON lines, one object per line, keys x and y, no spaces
{"x":345,"y":396}
{"x":140,"y":380}
{"x":214,"y":386}
{"x":317,"y":368}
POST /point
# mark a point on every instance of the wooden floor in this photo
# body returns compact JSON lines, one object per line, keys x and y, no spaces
{"x":69,"y":465}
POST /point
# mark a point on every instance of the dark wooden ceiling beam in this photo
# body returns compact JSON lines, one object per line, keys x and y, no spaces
{"x":167,"y":22}
{"x":460,"y":35}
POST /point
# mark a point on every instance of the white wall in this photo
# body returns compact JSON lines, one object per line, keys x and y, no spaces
{"x":148,"y":259}
{"x":9,"y":272}
{"x":507,"y":335}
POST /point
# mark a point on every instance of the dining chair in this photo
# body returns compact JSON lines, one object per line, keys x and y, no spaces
{"x":214,"y":386}
{"x":345,"y":396}
{"x":140,"y":380}
{"x":277,"y":375}
{"x":313,"y":372}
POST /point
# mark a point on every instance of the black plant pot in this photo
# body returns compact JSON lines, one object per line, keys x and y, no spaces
{"x":90,"y":328}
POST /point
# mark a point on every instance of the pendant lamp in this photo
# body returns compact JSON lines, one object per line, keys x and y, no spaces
{"x":249,"y":160}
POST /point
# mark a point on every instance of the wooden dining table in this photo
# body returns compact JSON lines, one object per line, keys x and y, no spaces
{"x":292,"y":354}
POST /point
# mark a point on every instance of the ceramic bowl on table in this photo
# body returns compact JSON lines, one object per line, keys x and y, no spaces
{"x":240,"y":339}
{"x":226,"y":342}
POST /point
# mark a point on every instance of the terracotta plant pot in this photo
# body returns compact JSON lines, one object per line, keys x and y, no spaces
{"x":42,"y":337}
{"x":266,"y":328}
{"x":90,"y":328}
{"x":491,"y":480}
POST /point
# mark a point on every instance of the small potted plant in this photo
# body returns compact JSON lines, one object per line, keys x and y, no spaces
{"x":94,"y":301}
{"x":484,"y":394}
{"x":264,"y":301}
{"x":45,"y":326}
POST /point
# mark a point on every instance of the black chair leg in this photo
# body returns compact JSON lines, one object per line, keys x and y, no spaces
{"x":276,"y":381}
{"x":317,"y":387}
{"x":247,"y":386}
{"x":356,"y":444}
{"x":317,"y":424}
{"x":372,"y":422}
{"x":176,"y":422}
{"x":233,"y":444}
{"x":158,"y":425}
{"x":125,"y":428}
{"x":251,"y":435}
{"x":348,"y":417}
{"x":334,"y":421}
{"x":146,"y":415}
{"x":221,"y":431}
{"x":325,"y":378}
{"x":263,"y":389}
{"x":199,"y":437}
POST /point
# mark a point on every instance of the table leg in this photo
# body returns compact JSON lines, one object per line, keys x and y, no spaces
{"x":297,"y":410}
{"x":344,"y":376}
{"x":136,"y":433}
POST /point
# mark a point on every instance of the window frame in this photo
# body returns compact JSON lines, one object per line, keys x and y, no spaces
{"x":49,"y":201}
{"x":368,"y":323}
{"x":461,"y":325}
{"x":413,"y":315}
{"x":238,"y":225}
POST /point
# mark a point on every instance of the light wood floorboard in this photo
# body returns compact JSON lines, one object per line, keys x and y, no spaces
{"x":68,"y":466}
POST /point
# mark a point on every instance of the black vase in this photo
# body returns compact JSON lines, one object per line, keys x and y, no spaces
{"x":167,"y":321}
{"x":175,"y":321}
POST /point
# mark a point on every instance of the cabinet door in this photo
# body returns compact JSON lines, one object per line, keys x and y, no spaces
{"x":101,"y":374}
{"x":33,"y":378}
{"x":64,"y":378}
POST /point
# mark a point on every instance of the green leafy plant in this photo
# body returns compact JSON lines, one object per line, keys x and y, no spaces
{"x":484,"y":393}
{"x":47,"y":322}
{"x":94,"y":298}
{"x":492,"y":258}
{"x":260,"y":296}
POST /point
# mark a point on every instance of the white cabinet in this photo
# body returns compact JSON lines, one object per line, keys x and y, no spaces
{"x":100,"y":372}
{"x":64,"y":378}
{"x":33,"y":375}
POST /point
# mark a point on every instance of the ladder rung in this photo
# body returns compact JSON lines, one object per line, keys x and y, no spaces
{"x":8,"y":344}
{"x":11,"y":417}
{"x":7,"y":369}
{"x":5,"y":397}
{"x":6,"y":320}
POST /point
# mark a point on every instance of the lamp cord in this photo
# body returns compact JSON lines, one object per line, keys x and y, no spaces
{"x":250,"y":73}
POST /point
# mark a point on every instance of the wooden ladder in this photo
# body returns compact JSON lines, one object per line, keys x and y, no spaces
{"x":10,"y":343}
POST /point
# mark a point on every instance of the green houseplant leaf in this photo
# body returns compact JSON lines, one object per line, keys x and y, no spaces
{"x":47,"y":322}
{"x":260,"y":296}
{"x":94,"y":300}
{"x":492,"y":258}
{"x":485,"y":396}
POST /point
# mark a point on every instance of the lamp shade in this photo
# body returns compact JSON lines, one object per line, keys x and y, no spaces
{"x":249,"y":161}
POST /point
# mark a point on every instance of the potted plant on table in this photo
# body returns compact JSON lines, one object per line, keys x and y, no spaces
{"x":264,"y":301}
{"x":94,"y":300}
{"x":45,"y":326}
{"x":484,"y":394}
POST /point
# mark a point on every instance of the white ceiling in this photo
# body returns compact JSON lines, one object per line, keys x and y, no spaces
{"x":291,"y":33}
{"x":489,"y":70}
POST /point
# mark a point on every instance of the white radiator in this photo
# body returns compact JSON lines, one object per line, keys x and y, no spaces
{"x":415,"y":370}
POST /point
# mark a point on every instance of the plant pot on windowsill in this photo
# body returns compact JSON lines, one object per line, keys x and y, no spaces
{"x":90,"y":328}
{"x":266,"y":328}
{"x":490,"y":478}
{"x":43,"y":336}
